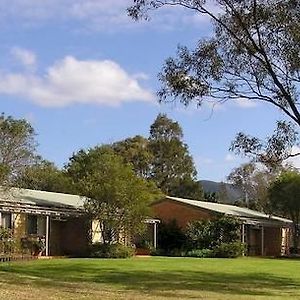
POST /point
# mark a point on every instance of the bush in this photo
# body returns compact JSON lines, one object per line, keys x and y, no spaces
{"x":209,"y":234}
{"x":7,"y":242}
{"x":117,"y":250}
{"x":203,"y":253}
{"x":34,"y":245}
{"x":229,"y":250}
{"x":171,"y":239}
{"x":171,"y":252}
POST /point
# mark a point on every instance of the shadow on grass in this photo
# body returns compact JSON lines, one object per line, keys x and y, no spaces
{"x":156,"y":282}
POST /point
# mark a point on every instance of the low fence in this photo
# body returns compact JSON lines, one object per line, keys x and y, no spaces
{"x":16,"y":257}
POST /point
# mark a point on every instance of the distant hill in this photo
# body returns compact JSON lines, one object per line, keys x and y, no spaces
{"x":216,"y":187}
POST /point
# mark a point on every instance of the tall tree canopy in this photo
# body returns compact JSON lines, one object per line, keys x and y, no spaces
{"x":284,"y":196}
{"x":253,"y":54}
{"x":253,"y":181}
{"x":172,"y":169}
{"x":116,"y":196}
{"x":17,"y":148}
{"x":45,"y":176}
{"x":135,"y":151}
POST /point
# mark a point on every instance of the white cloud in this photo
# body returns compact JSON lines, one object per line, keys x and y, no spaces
{"x":294,"y":161}
{"x":24,"y":56}
{"x":71,"y":81}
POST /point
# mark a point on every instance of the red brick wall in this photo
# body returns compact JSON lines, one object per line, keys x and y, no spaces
{"x":169,"y":210}
{"x":55,"y":237}
{"x":272,"y":241}
{"x":69,"y":237}
{"x":75,"y":236}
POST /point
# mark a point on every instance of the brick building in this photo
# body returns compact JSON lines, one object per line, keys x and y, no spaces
{"x":57,"y":219}
{"x":264,"y":234}
{"x":54,"y":218}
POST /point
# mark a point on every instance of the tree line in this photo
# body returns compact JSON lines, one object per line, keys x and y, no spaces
{"x":121,"y":179}
{"x":162,"y":159}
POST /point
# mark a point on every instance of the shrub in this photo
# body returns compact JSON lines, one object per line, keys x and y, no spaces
{"x":171,"y":252}
{"x":211,"y":234}
{"x":7,"y":242}
{"x":34,"y":245}
{"x":117,"y":250}
{"x":143,"y":244}
{"x":200,"y":234}
{"x":229,"y":250}
{"x":203,"y":253}
{"x":171,"y":239}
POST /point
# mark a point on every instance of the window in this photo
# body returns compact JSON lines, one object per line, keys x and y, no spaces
{"x":32,"y":224}
{"x":6,"y":220}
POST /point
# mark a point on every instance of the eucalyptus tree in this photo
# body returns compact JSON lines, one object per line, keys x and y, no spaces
{"x":17,"y":148}
{"x":284,"y":196}
{"x":172,"y":168}
{"x":253,"y":54}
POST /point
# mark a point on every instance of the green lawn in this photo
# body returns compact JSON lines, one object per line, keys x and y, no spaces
{"x":151,"y":278}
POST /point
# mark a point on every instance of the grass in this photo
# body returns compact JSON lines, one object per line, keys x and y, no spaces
{"x":151,"y":278}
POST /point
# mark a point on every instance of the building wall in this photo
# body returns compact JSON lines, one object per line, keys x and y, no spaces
{"x":272,"y":241}
{"x":96,"y":233}
{"x":55,"y":238}
{"x":69,"y":237}
{"x":286,"y":240}
{"x":169,"y":210}
{"x":253,"y":240}
{"x":20,"y":225}
{"x":74,"y":236}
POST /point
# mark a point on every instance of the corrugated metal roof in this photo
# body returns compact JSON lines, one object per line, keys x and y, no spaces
{"x":41,"y":198}
{"x":230,"y":210}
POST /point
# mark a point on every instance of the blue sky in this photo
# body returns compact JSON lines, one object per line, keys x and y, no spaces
{"x":83,"y":73}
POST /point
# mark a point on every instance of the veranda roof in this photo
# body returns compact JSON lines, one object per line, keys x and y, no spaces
{"x":247,"y":215}
{"x":40,"y":202}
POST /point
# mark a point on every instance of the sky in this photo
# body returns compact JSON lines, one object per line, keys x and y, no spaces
{"x":83,"y":73}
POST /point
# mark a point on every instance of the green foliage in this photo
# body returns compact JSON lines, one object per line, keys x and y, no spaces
{"x":136,"y":152}
{"x":284,"y":194}
{"x":253,"y":182}
{"x":5,"y":233}
{"x":211,"y":197}
{"x":162,"y":158}
{"x":208,"y":238}
{"x":171,"y":239}
{"x":223,"y":250}
{"x":229,"y":250}
{"x":17,"y":148}
{"x":273,"y":150}
{"x":187,"y":188}
{"x":45,"y":176}
{"x":111,"y":251}
{"x":116,"y":196}
{"x":209,"y":234}
{"x":33,"y":245}
{"x":172,"y":167}
{"x":201,"y":234}
{"x":252,"y":54}
{"x":200,"y":253}
{"x":7,"y":242}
